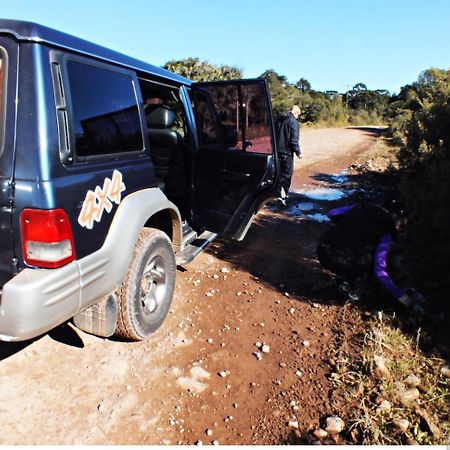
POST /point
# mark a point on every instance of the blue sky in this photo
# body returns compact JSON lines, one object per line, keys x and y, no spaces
{"x":334,"y":44}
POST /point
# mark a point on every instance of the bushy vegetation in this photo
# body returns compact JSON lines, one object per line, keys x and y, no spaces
{"x":420,"y":123}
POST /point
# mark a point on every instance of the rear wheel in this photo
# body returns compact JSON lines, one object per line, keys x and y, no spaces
{"x":147,"y":290}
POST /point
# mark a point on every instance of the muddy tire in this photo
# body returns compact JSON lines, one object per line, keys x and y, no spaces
{"x":147,"y":290}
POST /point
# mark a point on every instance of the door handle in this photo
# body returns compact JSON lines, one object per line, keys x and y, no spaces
{"x":232,"y":175}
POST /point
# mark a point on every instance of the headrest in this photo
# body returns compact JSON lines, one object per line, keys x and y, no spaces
{"x":160,"y":116}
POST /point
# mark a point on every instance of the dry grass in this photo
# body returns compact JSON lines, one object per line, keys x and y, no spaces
{"x":398,"y":395}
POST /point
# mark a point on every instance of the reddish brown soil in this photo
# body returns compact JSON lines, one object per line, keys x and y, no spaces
{"x":72,"y":388}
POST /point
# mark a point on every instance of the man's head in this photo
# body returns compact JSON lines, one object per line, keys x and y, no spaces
{"x":296,"y":111}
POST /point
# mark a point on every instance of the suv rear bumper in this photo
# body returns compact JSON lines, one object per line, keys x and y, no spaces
{"x":37,"y":300}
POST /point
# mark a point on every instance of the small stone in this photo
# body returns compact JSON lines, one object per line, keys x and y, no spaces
{"x":210,"y":341}
{"x":265,"y":348}
{"x":384,"y":407}
{"x":223,"y":373}
{"x":445,"y":371}
{"x":380,"y":371}
{"x":215,"y":443}
{"x":401,"y":425}
{"x":225,"y":270}
{"x":299,"y":373}
{"x":412,"y":381}
{"x":306,"y":343}
{"x":258,"y":344}
{"x":286,"y":294}
{"x":209,"y":432}
{"x":293,"y":424}
{"x":316,"y":305}
{"x":320,"y":433}
{"x":334,"y":425}
{"x":257,"y":355}
{"x":292,"y":311}
{"x":215,"y":276}
{"x":408,"y":396}
{"x":101,"y":407}
{"x":198,"y":443}
{"x":235,"y":405}
{"x":282,"y":365}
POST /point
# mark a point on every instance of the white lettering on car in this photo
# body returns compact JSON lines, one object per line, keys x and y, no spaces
{"x":101,"y":199}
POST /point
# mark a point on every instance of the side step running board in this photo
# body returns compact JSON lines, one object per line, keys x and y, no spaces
{"x":195,"y":247}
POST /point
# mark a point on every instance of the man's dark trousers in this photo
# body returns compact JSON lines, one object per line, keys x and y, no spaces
{"x":286,"y":163}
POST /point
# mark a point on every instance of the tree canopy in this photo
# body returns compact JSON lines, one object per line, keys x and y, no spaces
{"x":197,"y":70}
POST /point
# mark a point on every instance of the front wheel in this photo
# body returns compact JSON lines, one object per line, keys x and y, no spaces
{"x":147,"y":290}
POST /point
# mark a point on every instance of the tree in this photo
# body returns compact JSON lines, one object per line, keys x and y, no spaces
{"x":279,"y":90}
{"x":197,"y":70}
{"x":303,"y":85}
{"x":358,"y":87}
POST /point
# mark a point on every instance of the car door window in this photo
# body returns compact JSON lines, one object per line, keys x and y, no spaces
{"x":233,"y":116}
{"x":258,"y":131}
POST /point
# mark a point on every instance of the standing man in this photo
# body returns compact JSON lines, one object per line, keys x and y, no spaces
{"x":288,"y":143}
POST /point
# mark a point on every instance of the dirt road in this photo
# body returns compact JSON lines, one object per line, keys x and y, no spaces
{"x":245,"y":355}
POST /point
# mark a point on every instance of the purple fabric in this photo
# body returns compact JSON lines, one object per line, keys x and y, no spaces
{"x":334,"y":213}
{"x":380,"y":266}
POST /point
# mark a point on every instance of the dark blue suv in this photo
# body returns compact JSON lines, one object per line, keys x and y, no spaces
{"x":112,"y":172}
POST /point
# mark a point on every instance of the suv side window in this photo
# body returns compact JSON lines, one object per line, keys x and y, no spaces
{"x":105,"y":113}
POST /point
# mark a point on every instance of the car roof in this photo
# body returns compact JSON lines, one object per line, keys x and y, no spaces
{"x":33,"y":32}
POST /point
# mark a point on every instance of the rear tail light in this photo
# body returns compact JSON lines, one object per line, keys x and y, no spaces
{"x":47,"y":238}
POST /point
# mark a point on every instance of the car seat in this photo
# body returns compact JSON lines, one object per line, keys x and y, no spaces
{"x":167,"y":151}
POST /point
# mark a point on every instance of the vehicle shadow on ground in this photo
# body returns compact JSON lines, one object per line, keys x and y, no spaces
{"x":280,"y":249}
{"x":8,"y":349}
{"x":63,"y":334}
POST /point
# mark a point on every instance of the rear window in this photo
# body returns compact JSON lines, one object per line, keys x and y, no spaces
{"x":2,"y":97}
{"x":105,"y":114}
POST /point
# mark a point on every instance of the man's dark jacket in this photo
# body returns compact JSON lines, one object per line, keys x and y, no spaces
{"x":288,"y":132}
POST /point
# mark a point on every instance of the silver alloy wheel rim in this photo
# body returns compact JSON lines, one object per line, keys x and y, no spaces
{"x":153,"y":285}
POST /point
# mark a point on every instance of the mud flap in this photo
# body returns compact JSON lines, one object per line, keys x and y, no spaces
{"x":99,"y":319}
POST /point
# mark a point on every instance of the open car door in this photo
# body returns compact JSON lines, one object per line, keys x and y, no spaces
{"x":235,"y":165}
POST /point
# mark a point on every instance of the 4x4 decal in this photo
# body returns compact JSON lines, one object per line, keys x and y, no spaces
{"x":101,"y":199}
